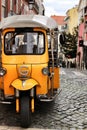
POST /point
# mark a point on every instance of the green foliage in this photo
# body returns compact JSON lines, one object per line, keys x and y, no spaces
{"x":70,"y":46}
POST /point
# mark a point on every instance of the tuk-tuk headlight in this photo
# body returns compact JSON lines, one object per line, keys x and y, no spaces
{"x":45,"y":71}
{"x":2,"y":72}
{"x":23,"y":71}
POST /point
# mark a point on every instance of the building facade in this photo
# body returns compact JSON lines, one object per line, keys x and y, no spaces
{"x":14,"y":7}
{"x":9,"y":7}
{"x":60,"y":21}
{"x":82,"y":49}
{"x":71,"y":19}
{"x":32,"y":7}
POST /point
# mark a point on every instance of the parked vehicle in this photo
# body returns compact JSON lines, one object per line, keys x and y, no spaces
{"x":28,"y":62}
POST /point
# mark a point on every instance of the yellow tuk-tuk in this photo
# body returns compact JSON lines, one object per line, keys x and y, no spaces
{"x":28,"y":62}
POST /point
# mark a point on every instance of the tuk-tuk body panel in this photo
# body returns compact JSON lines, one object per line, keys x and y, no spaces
{"x":42,"y":79}
{"x":8,"y":78}
{"x":24,"y":85}
{"x":1,"y":82}
{"x":56,"y":78}
{"x":25,"y":59}
{"x":35,"y":72}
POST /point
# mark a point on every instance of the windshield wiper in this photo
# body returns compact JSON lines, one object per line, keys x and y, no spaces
{"x":13,"y":36}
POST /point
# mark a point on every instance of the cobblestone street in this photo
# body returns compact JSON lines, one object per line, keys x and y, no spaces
{"x":67,"y":112}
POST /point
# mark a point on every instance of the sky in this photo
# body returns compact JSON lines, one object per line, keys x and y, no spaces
{"x":59,"y":7}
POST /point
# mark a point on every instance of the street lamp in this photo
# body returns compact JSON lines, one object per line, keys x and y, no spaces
{"x":31,"y":4}
{"x":31,"y":1}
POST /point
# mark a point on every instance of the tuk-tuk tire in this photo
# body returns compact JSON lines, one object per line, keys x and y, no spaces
{"x":25,"y":112}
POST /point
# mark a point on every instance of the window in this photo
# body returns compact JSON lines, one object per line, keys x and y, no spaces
{"x":11,"y":5}
{"x":3,"y":12}
{"x":17,"y":6}
{"x":3,"y":3}
{"x":20,"y":43}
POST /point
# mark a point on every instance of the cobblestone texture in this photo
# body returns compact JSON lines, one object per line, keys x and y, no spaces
{"x":67,"y":112}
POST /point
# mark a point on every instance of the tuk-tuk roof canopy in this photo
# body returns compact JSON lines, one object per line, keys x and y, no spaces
{"x":18,"y":21}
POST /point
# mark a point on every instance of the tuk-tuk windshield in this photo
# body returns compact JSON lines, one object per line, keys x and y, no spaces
{"x":24,"y":42}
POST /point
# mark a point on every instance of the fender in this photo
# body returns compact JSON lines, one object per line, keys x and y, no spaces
{"x":24,"y":85}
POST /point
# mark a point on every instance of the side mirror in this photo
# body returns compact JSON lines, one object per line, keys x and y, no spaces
{"x":61,"y":38}
{"x":81,"y":43}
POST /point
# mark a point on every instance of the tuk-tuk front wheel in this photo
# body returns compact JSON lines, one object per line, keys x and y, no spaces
{"x":25,"y":112}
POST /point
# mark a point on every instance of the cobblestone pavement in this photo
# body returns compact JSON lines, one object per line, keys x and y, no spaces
{"x":67,"y":112}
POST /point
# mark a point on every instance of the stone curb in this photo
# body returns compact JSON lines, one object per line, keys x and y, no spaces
{"x":19,"y":128}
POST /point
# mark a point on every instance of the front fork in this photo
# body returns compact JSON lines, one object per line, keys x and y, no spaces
{"x":17,"y":94}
